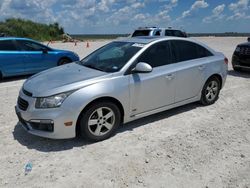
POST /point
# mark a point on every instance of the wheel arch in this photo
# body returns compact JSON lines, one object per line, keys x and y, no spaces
{"x":218,"y":76}
{"x":100,"y":99}
{"x":64,"y":57}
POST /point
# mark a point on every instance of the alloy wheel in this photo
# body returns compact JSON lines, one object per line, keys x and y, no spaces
{"x":101,"y":121}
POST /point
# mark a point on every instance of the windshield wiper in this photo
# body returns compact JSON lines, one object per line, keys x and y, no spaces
{"x":93,"y":67}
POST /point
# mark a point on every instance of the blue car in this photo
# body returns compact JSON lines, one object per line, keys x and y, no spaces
{"x":21,"y":56}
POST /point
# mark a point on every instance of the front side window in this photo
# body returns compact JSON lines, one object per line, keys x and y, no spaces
{"x":30,"y":46}
{"x":157,"y":33}
{"x":7,"y":45}
{"x":185,"y":50}
{"x":112,"y":57}
{"x":157,"y":55}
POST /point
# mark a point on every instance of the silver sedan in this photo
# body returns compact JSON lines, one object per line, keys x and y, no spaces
{"x":118,"y":83}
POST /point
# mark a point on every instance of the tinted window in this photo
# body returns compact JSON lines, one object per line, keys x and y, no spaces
{"x":177,"y":33}
{"x":157,"y":33}
{"x":7,"y":45}
{"x":168,"y":33}
{"x":30,"y":46}
{"x":184,"y":50}
{"x":157,"y":55}
{"x":138,"y":33}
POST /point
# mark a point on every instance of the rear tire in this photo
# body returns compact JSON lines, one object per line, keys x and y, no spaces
{"x":211,"y":90}
{"x":64,"y":61}
{"x":99,"y":121}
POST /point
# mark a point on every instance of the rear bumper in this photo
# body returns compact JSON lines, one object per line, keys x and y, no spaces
{"x":241,"y":62}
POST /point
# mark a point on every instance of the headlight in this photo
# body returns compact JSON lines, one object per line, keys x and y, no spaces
{"x":237,"y":49}
{"x":52,"y":101}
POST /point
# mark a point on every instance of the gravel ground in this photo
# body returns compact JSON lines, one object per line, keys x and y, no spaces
{"x":189,"y":146}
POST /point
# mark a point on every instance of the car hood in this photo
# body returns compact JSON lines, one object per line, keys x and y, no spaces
{"x":63,"y":78}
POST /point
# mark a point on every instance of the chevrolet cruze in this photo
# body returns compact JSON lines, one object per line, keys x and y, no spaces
{"x":118,"y":83}
{"x":21,"y":56}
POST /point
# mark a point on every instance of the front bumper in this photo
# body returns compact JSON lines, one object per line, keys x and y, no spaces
{"x":49,"y":123}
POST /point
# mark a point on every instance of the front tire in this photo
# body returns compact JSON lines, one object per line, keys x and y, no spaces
{"x":210,"y":92}
{"x":64,"y":61}
{"x":99,"y":121}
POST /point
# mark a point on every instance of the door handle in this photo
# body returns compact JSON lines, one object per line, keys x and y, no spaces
{"x":201,"y":67}
{"x":170,"y":76}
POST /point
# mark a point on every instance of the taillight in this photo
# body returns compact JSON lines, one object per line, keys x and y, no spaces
{"x":225,"y":60}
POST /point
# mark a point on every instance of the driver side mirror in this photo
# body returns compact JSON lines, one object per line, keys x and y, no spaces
{"x":142,"y":67}
{"x":248,"y":39}
{"x":45,"y":51}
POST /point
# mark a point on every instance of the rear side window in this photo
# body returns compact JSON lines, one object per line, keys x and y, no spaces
{"x":168,"y":33}
{"x":157,"y":55}
{"x":185,"y":50}
{"x":177,"y":33}
{"x":7,"y":45}
{"x":138,"y":33}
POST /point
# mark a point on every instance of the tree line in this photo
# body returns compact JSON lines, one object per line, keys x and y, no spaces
{"x":25,"y":28}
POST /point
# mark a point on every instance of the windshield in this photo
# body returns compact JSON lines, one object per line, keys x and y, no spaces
{"x":111,"y":57}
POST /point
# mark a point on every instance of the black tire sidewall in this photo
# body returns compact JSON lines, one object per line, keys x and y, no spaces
{"x":84,"y":131}
{"x":61,"y":61}
{"x":204,"y":100}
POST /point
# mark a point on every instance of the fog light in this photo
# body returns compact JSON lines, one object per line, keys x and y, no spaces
{"x":42,"y":125}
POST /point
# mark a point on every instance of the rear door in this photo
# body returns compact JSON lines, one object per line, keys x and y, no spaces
{"x":191,"y":62}
{"x":37,"y":57}
{"x":11,"y":59}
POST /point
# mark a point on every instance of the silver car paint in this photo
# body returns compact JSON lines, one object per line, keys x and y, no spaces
{"x":139,"y":94}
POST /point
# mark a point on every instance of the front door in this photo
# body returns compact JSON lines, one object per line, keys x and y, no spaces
{"x":150,"y":91}
{"x":38,"y":57}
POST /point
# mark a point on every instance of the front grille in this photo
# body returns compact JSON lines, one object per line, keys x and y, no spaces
{"x":27,"y":93}
{"x":22,"y":104}
{"x":244,"y":50}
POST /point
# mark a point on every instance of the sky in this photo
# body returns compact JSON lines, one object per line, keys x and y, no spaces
{"x":123,"y":16}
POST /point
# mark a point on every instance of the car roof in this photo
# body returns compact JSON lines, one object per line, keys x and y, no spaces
{"x":156,"y":28}
{"x":15,"y":38}
{"x":149,"y":39}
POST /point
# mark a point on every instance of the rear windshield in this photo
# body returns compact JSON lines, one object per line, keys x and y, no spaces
{"x":138,"y":33}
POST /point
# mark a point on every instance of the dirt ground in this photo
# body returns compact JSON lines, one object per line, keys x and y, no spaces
{"x":190,"y":146}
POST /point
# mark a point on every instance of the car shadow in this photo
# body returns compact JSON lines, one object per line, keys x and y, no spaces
{"x":50,"y":145}
{"x":243,"y":74}
{"x":14,"y":78}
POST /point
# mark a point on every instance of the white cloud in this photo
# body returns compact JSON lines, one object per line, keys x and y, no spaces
{"x":238,"y":15}
{"x":239,"y":9}
{"x":200,"y":4}
{"x":216,"y":14}
{"x":240,"y":5}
